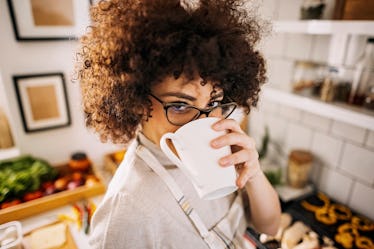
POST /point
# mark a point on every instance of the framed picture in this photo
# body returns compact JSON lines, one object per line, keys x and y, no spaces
{"x":37,"y":20}
{"x":42,"y":101}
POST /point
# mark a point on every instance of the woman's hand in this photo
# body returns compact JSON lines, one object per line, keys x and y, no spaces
{"x":244,"y":156}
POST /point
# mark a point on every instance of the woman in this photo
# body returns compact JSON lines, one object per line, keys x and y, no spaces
{"x":147,"y":68}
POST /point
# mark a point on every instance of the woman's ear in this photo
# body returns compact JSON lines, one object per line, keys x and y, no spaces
{"x":146,"y":113}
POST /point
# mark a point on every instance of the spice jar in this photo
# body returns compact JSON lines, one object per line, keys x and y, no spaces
{"x":369,"y":100}
{"x":312,"y":9}
{"x":363,"y":77}
{"x":304,"y":77}
{"x":329,"y":85}
{"x":79,"y":161}
{"x":299,"y":166}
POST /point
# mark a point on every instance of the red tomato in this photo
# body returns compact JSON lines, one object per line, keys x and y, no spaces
{"x":10,"y":203}
{"x":32,"y":195}
{"x":77,"y":176}
{"x":47,"y":185}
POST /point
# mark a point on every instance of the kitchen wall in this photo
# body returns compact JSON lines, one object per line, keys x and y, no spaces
{"x":42,"y":57}
{"x":344,"y":165}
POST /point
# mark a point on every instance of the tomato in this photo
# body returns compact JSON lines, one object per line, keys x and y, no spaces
{"x":77,"y":176}
{"x":32,"y":195}
{"x":10,"y":203}
{"x":47,"y":185}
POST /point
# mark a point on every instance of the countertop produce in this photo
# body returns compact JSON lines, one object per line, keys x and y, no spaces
{"x":25,"y":178}
{"x":22,"y":177}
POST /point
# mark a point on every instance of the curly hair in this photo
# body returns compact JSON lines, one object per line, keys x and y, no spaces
{"x":133,"y":44}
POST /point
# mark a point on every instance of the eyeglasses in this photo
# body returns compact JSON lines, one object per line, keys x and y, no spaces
{"x":180,"y":114}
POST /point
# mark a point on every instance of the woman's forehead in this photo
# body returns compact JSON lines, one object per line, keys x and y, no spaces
{"x":184,"y":84}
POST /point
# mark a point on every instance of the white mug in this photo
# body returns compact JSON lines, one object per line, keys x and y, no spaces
{"x":199,"y":161}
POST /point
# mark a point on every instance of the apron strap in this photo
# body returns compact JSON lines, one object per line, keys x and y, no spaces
{"x":182,"y":200}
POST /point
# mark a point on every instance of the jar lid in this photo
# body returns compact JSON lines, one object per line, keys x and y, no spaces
{"x":301,"y":156}
{"x":79,"y":156}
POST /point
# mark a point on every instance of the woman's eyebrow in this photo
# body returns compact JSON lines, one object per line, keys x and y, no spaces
{"x":179,"y":95}
{"x":188,"y":97}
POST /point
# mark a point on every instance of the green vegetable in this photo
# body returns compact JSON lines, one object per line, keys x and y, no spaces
{"x":23,"y":174}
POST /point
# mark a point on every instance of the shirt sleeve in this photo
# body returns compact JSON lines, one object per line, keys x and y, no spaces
{"x":119,"y":223}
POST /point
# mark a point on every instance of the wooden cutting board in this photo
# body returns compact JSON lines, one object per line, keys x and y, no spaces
{"x":69,"y":244}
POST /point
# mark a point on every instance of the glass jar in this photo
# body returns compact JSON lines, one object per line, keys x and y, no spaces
{"x":298,"y":169}
{"x":304,"y":77}
{"x":329,"y":85}
{"x":312,"y":9}
{"x":79,"y":162}
{"x":364,"y":77}
{"x":369,"y":99}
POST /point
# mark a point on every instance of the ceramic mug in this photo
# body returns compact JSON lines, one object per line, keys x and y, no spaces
{"x":198,"y":160}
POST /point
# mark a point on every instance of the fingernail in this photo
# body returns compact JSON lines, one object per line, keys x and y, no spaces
{"x":225,"y":162}
{"x":215,"y":143}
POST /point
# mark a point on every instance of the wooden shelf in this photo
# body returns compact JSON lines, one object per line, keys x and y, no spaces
{"x":325,"y":27}
{"x":338,"y":111}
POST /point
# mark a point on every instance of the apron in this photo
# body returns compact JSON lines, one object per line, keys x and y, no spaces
{"x":228,"y":233}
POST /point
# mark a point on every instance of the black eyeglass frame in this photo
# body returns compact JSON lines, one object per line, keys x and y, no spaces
{"x":206,"y":111}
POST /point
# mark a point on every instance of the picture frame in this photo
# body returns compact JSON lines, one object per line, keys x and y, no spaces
{"x":46,"y":20}
{"x":42,"y":100}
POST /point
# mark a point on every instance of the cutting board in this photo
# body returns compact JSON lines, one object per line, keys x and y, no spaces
{"x":70,"y":243}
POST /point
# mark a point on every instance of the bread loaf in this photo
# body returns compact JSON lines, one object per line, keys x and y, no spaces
{"x":50,"y":237}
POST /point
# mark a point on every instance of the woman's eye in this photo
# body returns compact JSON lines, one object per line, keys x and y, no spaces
{"x":214,"y":104}
{"x":178,"y":108}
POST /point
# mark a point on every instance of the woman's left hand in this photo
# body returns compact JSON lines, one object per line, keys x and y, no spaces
{"x":244,"y":156}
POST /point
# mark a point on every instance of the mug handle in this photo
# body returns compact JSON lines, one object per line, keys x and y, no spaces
{"x":166,"y":149}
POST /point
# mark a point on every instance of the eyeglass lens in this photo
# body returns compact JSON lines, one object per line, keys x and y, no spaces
{"x":180,"y":115}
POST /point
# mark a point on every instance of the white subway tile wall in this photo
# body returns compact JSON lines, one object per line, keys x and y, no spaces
{"x":298,"y":137}
{"x":258,"y":121}
{"x":277,"y":128}
{"x":289,"y":9}
{"x":315,"y":174}
{"x":273,"y":45}
{"x":327,"y":149}
{"x":344,"y":154}
{"x":370,"y":140}
{"x":362,"y":199}
{"x":316,"y":122}
{"x":298,"y":46}
{"x":335,"y":184}
{"x":358,"y":162}
{"x":280,"y":72}
{"x":320,"y":48}
{"x":267,"y":106}
{"x":268,"y":9}
{"x":349,"y":132}
{"x":290,"y":113}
